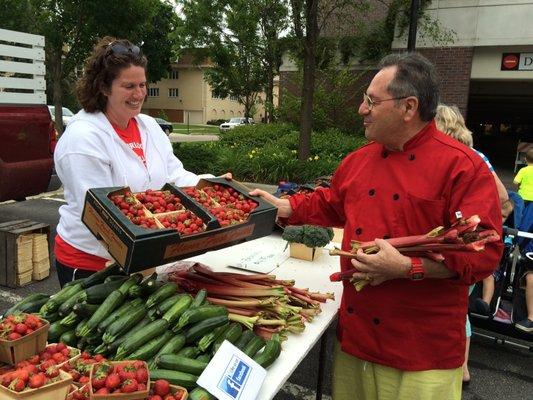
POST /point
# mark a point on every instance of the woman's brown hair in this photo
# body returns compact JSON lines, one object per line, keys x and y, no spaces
{"x":109,"y":57}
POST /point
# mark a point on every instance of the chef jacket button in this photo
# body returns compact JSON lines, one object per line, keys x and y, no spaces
{"x":411,"y":157}
{"x":371,"y":192}
{"x":350,"y":310}
{"x":385,"y":154}
{"x":395,"y":196}
{"x":386,"y":236}
{"x":376,"y":321}
{"x":358,"y":231}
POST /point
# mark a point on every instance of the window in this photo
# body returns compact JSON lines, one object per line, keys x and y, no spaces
{"x":174,"y":74}
{"x":216,"y":96}
{"x":153,"y":92}
{"x":234,"y":98}
{"x":173,"y":92}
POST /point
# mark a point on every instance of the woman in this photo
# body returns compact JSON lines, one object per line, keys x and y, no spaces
{"x":108,"y":143}
{"x":450,"y":121}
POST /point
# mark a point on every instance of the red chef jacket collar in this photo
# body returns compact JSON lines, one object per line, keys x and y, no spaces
{"x":421,"y":137}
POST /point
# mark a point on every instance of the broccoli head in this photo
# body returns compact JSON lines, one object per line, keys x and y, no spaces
{"x":309,"y":235}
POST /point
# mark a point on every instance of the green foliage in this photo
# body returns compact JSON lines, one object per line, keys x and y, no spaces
{"x":162,"y":114}
{"x":267,"y":153}
{"x":309,"y":235}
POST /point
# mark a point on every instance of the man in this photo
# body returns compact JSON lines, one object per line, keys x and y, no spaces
{"x":400,"y":337}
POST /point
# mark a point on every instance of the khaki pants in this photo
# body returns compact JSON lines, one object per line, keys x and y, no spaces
{"x":355,"y":379}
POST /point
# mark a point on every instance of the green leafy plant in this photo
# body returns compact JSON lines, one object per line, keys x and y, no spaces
{"x":308,"y":235}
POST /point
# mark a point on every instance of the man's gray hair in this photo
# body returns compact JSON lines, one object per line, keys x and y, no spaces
{"x":415,"y":76}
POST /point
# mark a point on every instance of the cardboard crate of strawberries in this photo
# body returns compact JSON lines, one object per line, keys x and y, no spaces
{"x":21,"y":336}
{"x":143,"y":230}
{"x":119,"y":380}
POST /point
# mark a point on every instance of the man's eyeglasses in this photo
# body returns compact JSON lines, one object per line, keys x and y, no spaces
{"x":370,"y":104}
{"x":119,"y":49}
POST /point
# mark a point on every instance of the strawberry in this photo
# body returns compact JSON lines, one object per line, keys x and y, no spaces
{"x":22,"y":374}
{"x":37,"y":380}
{"x":98,"y":381}
{"x":83,"y":380}
{"x":130,"y":386}
{"x":14,"y":336}
{"x":6,"y":379}
{"x":141,"y":375}
{"x":126,"y":372}
{"x":17,"y":385}
{"x":169,"y":396}
{"x":60,"y":347}
{"x":139,"y":364}
{"x":21,"y":329}
{"x":52,"y":372}
{"x":161,"y":387}
{"x":155,"y":397}
{"x":34,"y":359}
{"x":112,"y":381}
{"x":102,"y":390}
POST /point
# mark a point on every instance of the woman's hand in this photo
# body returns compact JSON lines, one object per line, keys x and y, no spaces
{"x":227,"y":176}
{"x":283,"y":205}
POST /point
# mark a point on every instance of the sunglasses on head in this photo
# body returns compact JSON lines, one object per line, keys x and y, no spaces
{"x":119,"y":49}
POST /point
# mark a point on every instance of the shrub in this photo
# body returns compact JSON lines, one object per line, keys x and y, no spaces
{"x":215,"y":122}
{"x":268,"y":153}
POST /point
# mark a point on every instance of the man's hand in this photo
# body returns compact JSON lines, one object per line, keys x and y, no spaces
{"x":388,"y":263}
{"x":283,"y":205}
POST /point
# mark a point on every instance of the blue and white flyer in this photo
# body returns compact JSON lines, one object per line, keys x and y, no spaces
{"x":232,"y":375}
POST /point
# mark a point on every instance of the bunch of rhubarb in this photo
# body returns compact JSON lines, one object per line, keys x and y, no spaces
{"x":463,"y":235}
{"x":259,"y":301}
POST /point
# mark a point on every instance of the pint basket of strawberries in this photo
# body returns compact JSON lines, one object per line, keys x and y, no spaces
{"x":32,"y":383}
{"x":119,"y":380}
{"x":78,"y":393}
{"x":22,"y":336}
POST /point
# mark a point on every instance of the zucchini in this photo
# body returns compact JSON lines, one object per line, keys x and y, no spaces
{"x":175,"y":344}
{"x":151,"y":287}
{"x":179,"y":363}
{"x":195,"y":314}
{"x":204,"y":357}
{"x":29,"y":304}
{"x":112,"y":347}
{"x":270,"y":353}
{"x":199,"y":393}
{"x":75,"y":282}
{"x":80,"y":325}
{"x":164,"y":292}
{"x":147,"y":285}
{"x":124,"y":323}
{"x":85,"y":309}
{"x":114,"y":300}
{"x":133,"y":342}
{"x":232,"y":334}
{"x":55,"y":331}
{"x":207,"y":340}
{"x":100,"y":276}
{"x":134,"y":292}
{"x":59,"y":298}
{"x":199,"y":329}
{"x":65,"y":308}
{"x":246,"y":336}
{"x":177,"y":309}
{"x":253,"y":346}
{"x":98,"y":293}
{"x":69,"y":338}
{"x":166,"y":304}
{"x":112,"y":278}
{"x":130,"y":282}
{"x":189,"y":352}
{"x":124,"y":309}
{"x":184,"y":379}
{"x":200,"y":298}
{"x":71,"y":320}
{"x":51,"y":317}
{"x":150,"y":349}
{"x":153,"y":313}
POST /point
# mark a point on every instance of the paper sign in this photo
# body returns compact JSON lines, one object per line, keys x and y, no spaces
{"x":262,"y":261}
{"x":232,"y":375}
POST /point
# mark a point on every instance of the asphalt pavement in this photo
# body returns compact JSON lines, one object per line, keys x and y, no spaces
{"x":499,"y":372}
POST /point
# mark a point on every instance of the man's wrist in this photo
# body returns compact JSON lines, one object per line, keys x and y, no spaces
{"x":405,"y":266}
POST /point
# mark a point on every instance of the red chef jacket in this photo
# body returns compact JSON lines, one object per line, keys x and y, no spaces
{"x":378,"y":193}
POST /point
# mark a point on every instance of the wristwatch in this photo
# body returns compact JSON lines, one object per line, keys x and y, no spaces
{"x":417,"y":271}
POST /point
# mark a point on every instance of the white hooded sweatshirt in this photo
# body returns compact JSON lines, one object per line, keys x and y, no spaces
{"x":90,"y":154}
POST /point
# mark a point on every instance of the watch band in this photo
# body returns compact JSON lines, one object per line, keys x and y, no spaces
{"x":417,"y":271}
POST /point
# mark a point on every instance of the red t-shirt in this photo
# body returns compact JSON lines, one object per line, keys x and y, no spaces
{"x":132,"y":137}
{"x":71,"y":256}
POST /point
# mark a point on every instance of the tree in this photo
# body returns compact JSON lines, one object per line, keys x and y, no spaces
{"x":72,"y":27}
{"x":238,"y":38}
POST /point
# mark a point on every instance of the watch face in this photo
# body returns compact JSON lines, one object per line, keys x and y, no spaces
{"x":417,"y":276}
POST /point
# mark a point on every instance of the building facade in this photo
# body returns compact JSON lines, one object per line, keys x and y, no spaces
{"x":186,"y":97}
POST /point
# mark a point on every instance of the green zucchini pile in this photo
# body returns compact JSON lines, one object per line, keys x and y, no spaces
{"x":127,"y":318}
